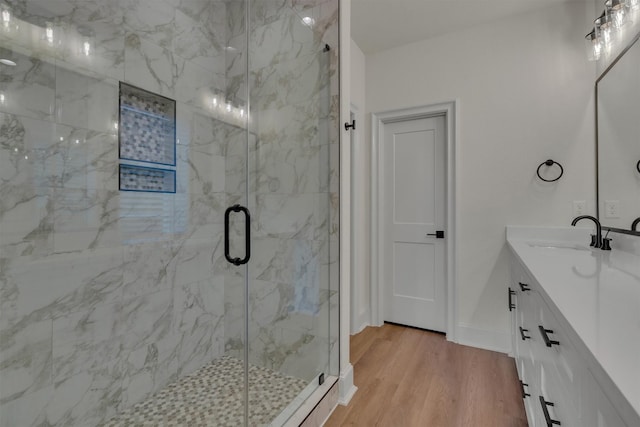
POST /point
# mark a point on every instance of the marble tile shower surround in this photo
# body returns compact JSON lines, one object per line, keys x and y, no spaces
{"x":105,"y":296}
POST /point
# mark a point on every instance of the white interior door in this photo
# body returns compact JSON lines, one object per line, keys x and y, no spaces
{"x":414,"y":210}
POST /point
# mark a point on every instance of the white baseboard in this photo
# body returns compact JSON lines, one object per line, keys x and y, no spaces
{"x":360,"y":328}
{"x":482,"y":338}
{"x":346,"y":387}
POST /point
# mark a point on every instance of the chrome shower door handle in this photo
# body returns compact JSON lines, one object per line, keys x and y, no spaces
{"x":247,"y":235}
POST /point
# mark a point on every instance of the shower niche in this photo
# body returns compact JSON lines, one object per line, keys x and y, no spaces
{"x":146,"y":136}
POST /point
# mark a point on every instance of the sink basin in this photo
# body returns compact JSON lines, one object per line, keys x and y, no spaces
{"x":571,"y":246}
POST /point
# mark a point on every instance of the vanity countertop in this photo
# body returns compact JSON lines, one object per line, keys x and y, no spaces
{"x":597,"y":292}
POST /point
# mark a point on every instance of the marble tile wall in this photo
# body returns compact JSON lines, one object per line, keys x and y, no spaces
{"x":106,"y":296}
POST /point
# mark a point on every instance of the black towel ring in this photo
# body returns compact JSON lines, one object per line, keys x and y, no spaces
{"x":551,"y":163}
{"x":638,"y":166}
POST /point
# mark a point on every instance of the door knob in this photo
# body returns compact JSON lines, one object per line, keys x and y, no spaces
{"x":438,"y":234}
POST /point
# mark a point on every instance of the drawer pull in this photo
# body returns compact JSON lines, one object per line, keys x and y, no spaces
{"x":524,"y":287}
{"x":550,"y":421}
{"x":511,"y":304}
{"x":544,"y":332}
{"x":522,"y":331}
{"x":524,"y":393}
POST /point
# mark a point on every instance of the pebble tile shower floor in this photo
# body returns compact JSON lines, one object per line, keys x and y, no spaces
{"x":212,"y":396}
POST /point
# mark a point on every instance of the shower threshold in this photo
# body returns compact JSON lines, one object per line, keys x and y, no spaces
{"x":213,"y":397}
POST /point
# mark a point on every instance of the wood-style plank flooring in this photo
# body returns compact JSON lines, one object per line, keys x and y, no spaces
{"x":408,"y":377}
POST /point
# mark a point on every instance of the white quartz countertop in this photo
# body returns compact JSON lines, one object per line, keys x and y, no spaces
{"x":597,"y":292}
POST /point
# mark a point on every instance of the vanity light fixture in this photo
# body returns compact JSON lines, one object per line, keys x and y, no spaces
{"x":608,"y":26}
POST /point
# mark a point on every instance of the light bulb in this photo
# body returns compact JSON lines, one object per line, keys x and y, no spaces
{"x":6,"y":18}
{"x":594,"y":45}
{"x":48,"y":33}
{"x":597,"y":50}
{"x":86,"y":48}
{"x":603,"y":28}
{"x":617,"y":11}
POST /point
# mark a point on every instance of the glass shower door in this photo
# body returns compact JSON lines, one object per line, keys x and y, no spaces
{"x":289,"y":289}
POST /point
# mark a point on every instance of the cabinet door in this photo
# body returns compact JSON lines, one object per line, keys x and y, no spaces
{"x":522,"y":347}
{"x":598,"y":411}
{"x":561,"y":359}
{"x":558,"y":407}
{"x":529,"y":394}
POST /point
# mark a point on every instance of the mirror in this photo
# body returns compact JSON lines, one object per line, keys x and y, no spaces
{"x":618,"y":141}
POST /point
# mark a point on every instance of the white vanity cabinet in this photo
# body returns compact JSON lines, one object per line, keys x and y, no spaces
{"x":558,"y":387}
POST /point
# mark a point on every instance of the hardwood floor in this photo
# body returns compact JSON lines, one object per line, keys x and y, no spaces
{"x":408,"y":377}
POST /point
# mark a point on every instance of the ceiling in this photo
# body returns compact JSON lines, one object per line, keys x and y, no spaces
{"x":378,"y":25}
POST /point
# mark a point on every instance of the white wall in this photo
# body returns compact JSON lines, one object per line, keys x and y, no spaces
{"x":360,"y":169}
{"x":525,"y":93}
{"x":346,"y":385}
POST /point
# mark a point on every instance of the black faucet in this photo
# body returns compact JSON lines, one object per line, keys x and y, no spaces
{"x":634,"y":224}
{"x":597,"y":243}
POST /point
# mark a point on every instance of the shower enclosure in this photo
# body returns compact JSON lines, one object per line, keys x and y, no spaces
{"x":168,"y":210}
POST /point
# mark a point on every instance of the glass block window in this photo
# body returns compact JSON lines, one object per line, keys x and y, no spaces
{"x":147,"y":126}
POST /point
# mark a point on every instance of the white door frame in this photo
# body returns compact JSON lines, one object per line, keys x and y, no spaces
{"x":378,"y":120}
{"x":358,"y":319}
